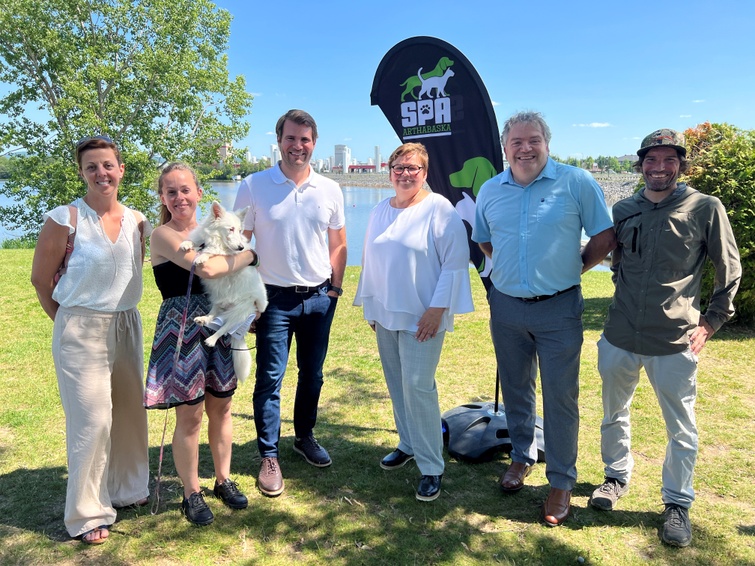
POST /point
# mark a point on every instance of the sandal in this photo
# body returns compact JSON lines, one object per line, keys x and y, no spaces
{"x":95,"y":536}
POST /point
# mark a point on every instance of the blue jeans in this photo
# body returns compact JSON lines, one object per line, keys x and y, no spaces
{"x":308,"y":318}
{"x":549,"y":333}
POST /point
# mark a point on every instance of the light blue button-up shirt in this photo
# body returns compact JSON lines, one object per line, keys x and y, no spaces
{"x":536,"y":230}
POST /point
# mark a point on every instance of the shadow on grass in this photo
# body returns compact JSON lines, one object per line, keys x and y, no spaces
{"x":385,"y":523}
{"x":351,"y":512}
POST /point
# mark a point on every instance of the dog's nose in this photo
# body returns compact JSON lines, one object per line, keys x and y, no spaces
{"x":240,"y":248}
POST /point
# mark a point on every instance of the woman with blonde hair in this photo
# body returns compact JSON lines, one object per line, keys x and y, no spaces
{"x":204,"y":379}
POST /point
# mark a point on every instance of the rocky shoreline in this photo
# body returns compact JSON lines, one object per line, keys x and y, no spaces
{"x":615,"y":187}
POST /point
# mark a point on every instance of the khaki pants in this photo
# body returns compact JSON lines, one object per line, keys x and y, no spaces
{"x":99,"y":361}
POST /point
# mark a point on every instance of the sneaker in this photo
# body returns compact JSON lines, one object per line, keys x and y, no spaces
{"x":677,"y":530}
{"x":429,"y":488}
{"x":312,"y":451}
{"x":270,"y":478}
{"x":606,"y":496}
{"x":229,"y":493}
{"x":196,"y":510}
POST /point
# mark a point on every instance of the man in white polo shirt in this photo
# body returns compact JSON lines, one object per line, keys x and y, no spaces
{"x":297,"y":219}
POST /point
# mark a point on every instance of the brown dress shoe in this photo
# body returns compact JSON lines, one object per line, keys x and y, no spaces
{"x":556,"y":507}
{"x":513,"y":480}
{"x":270,"y":478}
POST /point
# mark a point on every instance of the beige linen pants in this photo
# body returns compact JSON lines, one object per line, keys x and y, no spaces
{"x":99,"y":361}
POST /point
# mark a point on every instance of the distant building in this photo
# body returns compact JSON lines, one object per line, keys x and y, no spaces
{"x":342,"y":157}
{"x":275,"y":154}
{"x":361,"y":168}
{"x":632,"y":158}
{"x":378,"y":160}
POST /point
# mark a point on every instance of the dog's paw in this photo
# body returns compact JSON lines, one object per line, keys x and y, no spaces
{"x":201,"y":258}
{"x":212,"y":340}
{"x":203,"y":320}
{"x":186,"y":245}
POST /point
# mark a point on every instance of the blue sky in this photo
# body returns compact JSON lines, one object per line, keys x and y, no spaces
{"x":604,"y":74}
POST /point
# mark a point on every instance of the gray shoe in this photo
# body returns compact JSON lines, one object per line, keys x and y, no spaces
{"x":606,"y":496}
{"x":677,"y":530}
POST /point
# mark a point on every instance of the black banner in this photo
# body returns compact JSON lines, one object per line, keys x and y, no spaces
{"x":431,"y":94}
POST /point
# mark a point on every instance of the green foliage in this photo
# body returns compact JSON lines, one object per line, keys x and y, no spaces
{"x":723,"y":165}
{"x":4,"y":165}
{"x":22,"y":243}
{"x":605,"y":163}
{"x":151,"y":75}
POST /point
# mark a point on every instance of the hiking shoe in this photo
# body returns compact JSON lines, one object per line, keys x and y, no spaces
{"x":229,"y":493}
{"x":606,"y":496}
{"x":312,"y":451}
{"x":676,"y":528}
{"x":196,"y":510}
{"x":270,"y":478}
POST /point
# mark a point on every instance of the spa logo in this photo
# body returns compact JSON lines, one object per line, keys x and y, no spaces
{"x":429,"y":114}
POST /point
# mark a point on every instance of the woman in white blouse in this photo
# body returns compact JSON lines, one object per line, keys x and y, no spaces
{"x":415,"y":277}
{"x":97,"y":342}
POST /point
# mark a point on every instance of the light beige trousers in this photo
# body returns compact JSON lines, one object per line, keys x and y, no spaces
{"x":99,"y":361}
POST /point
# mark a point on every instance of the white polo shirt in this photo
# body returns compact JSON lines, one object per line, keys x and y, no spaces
{"x":290,"y":225}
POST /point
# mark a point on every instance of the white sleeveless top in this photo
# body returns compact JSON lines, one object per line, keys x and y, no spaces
{"x":102,"y":275}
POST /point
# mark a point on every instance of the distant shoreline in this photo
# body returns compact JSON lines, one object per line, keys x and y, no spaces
{"x":615,"y":187}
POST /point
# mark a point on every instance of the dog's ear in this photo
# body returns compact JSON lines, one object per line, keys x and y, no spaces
{"x":242,"y":214}
{"x":217,"y":210}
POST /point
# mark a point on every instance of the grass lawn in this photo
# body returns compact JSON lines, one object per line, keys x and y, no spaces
{"x":355,"y":513}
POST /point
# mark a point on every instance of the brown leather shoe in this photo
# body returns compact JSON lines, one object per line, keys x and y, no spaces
{"x":270,"y":478}
{"x":556,"y":507}
{"x":513,"y":480}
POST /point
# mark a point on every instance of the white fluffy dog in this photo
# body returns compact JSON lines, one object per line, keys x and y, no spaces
{"x":237,"y":297}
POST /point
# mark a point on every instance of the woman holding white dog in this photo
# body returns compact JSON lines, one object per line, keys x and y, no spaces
{"x":204,"y":379}
{"x":415,"y":277}
{"x":97,"y":341}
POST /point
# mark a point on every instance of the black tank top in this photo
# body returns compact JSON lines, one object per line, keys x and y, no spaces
{"x":173,"y":279}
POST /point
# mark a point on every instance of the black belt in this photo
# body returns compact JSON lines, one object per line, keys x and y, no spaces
{"x":300,"y":289}
{"x":545,"y":297}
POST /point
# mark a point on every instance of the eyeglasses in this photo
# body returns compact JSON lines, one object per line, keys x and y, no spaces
{"x":87,"y":139}
{"x":412,"y":169}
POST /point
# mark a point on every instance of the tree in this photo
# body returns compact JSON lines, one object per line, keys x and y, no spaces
{"x":722,"y":159}
{"x":151,"y":74}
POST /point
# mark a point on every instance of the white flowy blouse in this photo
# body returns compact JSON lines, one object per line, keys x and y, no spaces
{"x":102,"y":275}
{"x":414,"y":258}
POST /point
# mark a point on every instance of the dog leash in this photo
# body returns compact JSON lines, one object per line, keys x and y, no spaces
{"x":181,"y":330}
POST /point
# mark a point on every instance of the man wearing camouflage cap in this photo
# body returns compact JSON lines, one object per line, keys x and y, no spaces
{"x":664,"y":234}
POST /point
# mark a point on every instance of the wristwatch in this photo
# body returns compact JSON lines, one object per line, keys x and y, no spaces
{"x":338,"y":290}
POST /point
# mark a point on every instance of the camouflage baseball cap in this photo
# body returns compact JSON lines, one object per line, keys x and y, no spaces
{"x":663,"y":137}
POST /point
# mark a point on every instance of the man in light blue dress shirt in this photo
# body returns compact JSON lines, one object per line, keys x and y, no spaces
{"x":528,"y":222}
